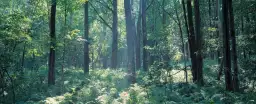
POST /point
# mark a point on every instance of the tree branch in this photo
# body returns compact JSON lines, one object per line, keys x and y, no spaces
{"x":106,"y":6}
{"x":103,"y":20}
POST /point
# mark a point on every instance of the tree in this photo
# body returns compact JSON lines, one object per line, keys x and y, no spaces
{"x":51,"y":73}
{"x":138,"y":38}
{"x":191,"y":40}
{"x":114,"y":37}
{"x":144,"y":34}
{"x":233,"y":44}
{"x":186,"y":27}
{"x":198,"y":46}
{"x":130,"y":32}
{"x":226,"y":47}
{"x":86,"y":37}
{"x":182,"y":42}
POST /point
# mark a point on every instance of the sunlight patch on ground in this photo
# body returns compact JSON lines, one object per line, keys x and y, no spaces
{"x":179,"y":76}
{"x":54,"y":100}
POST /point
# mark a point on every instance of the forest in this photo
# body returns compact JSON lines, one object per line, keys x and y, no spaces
{"x":127,"y":52}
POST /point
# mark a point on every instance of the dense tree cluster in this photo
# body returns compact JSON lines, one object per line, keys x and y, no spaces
{"x":46,"y":38}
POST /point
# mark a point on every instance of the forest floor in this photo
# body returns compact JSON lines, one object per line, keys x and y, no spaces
{"x":111,"y":87}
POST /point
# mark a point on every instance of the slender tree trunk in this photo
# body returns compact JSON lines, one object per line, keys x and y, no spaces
{"x":199,"y":43}
{"x":130,"y":40}
{"x":191,"y":40}
{"x":219,"y":34}
{"x":220,"y":70}
{"x":86,"y":37}
{"x":210,"y":16}
{"x":64,"y":48}
{"x":138,"y":38}
{"x":104,"y":55}
{"x":226,"y":46}
{"x":23,"y":57}
{"x":165,"y":56}
{"x":144,"y":34}
{"x":115,"y":37}
{"x":234,"y":51}
{"x":92,"y":60}
{"x":182,"y":42}
{"x":51,"y":73}
{"x":186,"y":24}
{"x":242,"y":29}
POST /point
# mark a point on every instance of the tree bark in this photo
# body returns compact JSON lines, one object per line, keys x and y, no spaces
{"x":130,"y":32}
{"x":199,"y":57}
{"x":23,"y":57}
{"x":144,"y":34}
{"x":51,"y":73}
{"x":233,"y":44}
{"x":114,"y":37}
{"x":191,"y":39}
{"x":182,"y":42}
{"x":226,"y":46}
{"x":138,"y":38}
{"x":86,"y":37}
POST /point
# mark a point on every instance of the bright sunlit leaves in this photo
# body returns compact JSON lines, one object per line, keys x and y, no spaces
{"x":177,"y":56}
{"x":212,"y":29}
{"x":83,"y":1}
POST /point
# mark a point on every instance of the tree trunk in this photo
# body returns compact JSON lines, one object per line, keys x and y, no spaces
{"x":186,"y":25}
{"x":64,"y":48}
{"x":51,"y":73}
{"x":234,"y":52}
{"x":210,"y":16}
{"x":191,"y":39}
{"x":130,"y":32}
{"x":226,"y":46}
{"x":199,"y":43}
{"x":114,"y":38}
{"x":23,"y":57}
{"x":182,"y":43}
{"x":144,"y":34}
{"x":138,"y":38}
{"x":86,"y":37}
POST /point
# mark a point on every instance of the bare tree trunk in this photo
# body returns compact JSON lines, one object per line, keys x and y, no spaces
{"x":130,"y":32}
{"x":220,"y":70}
{"x":182,"y":43}
{"x":234,"y":51}
{"x":199,"y":39}
{"x":191,"y":40}
{"x":23,"y":57}
{"x":51,"y":73}
{"x":226,"y":46}
{"x":64,"y":48}
{"x":114,"y":38}
{"x":86,"y":33}
{"x":144,"y":34}
{"x":138,"y":38}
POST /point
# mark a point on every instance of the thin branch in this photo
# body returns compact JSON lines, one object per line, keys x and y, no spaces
{"x":171,"y":16}
{"x":103,"y":20}
{"x":140,"y":14}
{"x":106,"y":6}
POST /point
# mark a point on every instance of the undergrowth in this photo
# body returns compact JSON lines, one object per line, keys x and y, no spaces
{"x":106,"y":86}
